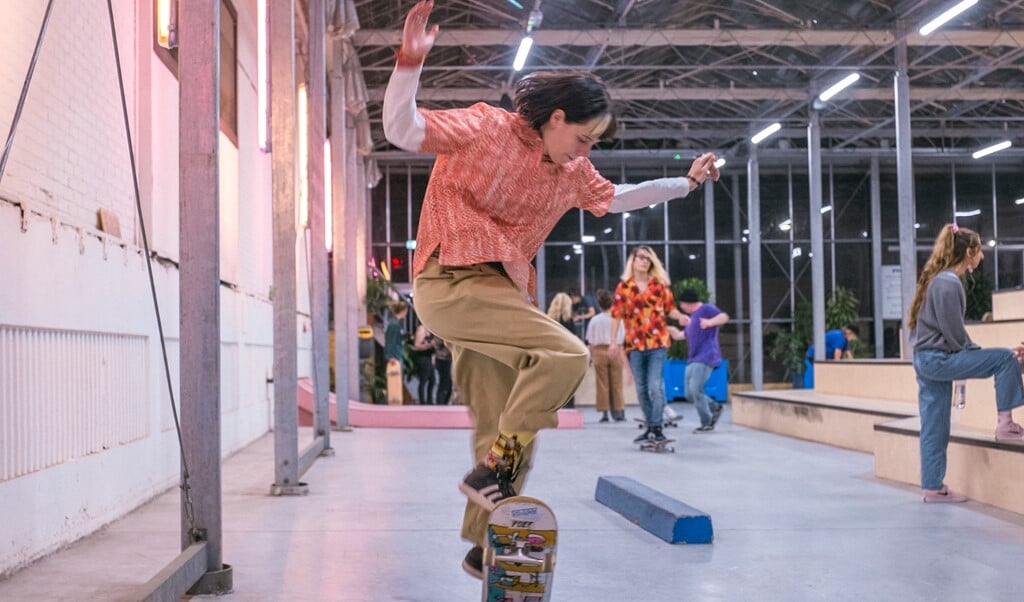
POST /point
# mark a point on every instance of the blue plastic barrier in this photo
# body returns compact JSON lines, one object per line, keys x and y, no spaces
{"x":674,"y":375}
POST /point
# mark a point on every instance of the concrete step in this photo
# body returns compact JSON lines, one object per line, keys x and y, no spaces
{"x":839,"y":420}
{"x":978,"y":466}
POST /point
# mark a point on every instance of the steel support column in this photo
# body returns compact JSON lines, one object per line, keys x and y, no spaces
{"x":754,"y":259}
{"x":317,"y":98}
{"x":876,"y":258}
{"x":281,"y":14}
{"x":905,"y":183}
{"x":817,"y":240}
{"x":199,"y":284}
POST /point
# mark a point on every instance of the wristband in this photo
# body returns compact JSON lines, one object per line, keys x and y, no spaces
{"x":404,"y":60}
{"x":695,"y":184}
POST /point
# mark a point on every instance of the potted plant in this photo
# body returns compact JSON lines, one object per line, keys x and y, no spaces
{"x":790,"y":348}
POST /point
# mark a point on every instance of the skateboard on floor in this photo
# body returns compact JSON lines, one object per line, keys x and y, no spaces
{"x":658,"y":446}
{"x":519,"y":556}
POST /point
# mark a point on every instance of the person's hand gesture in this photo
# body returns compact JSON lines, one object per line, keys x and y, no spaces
{"x":417,"y":39}
{"x":703,"y":167}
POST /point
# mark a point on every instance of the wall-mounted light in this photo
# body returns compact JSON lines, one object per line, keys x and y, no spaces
{"x":988,"y":150}
{"x":826,"y":209}
{"x":262,"y":78}
{"x":719,"y":162}
{"x":786,"y":225}
{"x":1019,"y":201}
{"x":328,"y":197}
{"x":768,"y":131}
{"x":167,"y":23}
{"x":587,"y":238}
{"x":971,"y":213}
{"x":302,"y":125}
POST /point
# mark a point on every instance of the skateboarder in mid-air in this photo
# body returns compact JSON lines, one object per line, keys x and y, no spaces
{"x":500,"y":183}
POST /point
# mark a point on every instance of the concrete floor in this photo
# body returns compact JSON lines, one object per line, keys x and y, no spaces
{"x":792,"y":520}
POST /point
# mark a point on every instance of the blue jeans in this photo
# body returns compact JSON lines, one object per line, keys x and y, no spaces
{"x":936,"y":370}
{"x":696,"y":375}
{"x":647,"y":367}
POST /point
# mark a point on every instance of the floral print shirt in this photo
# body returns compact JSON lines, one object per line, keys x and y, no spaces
{"x":643,"y":314}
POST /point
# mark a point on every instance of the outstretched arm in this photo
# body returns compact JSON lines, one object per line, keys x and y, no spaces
{"x":403,"y":125}
{"x":630,"y":197}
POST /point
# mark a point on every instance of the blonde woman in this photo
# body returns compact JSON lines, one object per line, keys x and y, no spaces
{"x":643,"y":303}
{"x":560,"y":310}
{"x":944,"y":352}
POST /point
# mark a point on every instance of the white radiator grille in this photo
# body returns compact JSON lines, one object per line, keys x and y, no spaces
{"x":66,"y":394}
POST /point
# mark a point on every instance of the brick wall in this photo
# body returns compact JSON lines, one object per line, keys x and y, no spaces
{"x":69,"y":156}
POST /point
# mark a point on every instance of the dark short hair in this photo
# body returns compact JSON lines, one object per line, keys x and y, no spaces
{"x":853,"y":328}
{"x":688,"y":295}
{"x":604,"y":299}
{"x":582,"y":95}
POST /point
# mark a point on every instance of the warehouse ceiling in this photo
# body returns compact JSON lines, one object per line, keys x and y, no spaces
{"x":707,"y":74}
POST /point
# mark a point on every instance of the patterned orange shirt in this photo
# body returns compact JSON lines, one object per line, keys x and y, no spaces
{"x":643,"y":314}
{"x":492,"y":196}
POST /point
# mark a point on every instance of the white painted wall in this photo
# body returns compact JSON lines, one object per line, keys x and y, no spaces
{"x":60,"y":274}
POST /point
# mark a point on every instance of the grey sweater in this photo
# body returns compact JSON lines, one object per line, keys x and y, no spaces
{"x":940,"y":325}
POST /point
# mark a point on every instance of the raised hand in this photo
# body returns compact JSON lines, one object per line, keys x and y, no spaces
{"x":417,"y":39}
{"x":703,"y":167}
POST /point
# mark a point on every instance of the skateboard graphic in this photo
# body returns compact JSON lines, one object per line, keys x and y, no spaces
{"x":658,"y":446}
{"x":519,"y":556}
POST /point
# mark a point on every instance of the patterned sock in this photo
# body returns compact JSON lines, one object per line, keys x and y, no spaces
{"x":507,"y":448}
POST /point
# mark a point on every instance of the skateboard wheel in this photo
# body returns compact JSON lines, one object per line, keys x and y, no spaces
{"x":549,"y":564}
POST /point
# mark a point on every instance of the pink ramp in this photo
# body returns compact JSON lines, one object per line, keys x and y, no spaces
{"x":411,"y":416}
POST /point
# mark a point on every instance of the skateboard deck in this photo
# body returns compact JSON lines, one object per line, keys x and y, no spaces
{"x":519,"y":556}
{"x":394,"y":378}
{"x":658,"y":446}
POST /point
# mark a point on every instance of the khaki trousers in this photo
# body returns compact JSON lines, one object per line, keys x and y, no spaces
{"x":607,"y":379}
{"x":515,"y":366}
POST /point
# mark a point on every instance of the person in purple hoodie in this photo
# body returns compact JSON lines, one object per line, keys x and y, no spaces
{"x":701,"y":334}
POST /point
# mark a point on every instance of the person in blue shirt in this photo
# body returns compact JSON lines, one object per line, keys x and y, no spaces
{"x":703,"y":353}
{"x":837,"y":343}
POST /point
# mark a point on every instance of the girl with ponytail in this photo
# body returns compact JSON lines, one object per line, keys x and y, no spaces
{"x":943,"y":352}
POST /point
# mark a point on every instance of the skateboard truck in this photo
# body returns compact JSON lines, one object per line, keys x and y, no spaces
{"x":520,"y":556}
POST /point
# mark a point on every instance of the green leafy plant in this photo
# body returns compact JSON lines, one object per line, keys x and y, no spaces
{"x":842,"y":308}
{"x":790,"y":348}
{"x":978,"y":286}
{"x":378,"y":297}
{"x":679,"y":350}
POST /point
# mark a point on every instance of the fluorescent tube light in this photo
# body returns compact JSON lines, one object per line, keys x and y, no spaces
{"x":939,"y":21}
{"x":768,"y":131}
{"x":524,"y":49}
{"x":988,"y":150}
{"x":826,"y":209}
{"x":586,"y":238}
{"x":720,"y":162}
{"x":970,"y":213}
{"x":1019,"y":201}
{"x":838,"y":87}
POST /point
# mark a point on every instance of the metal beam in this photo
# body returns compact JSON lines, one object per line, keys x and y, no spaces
{"x":921,"y":94}
{"x":745,"y":38}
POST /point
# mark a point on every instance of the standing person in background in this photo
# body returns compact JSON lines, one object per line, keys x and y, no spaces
{"x":583,"y":309}
{"x":443,"y":363}
{"x":703,"y":354}
{"x":394,"y":333}
{"x":560,"y":311}
{"x":643,"y":302}
{"x":943,"y":352}
{"x":423,"y":354}
{"x":500,"y":183}
{"x":607,"y":366}
{"x":837,"y":343}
